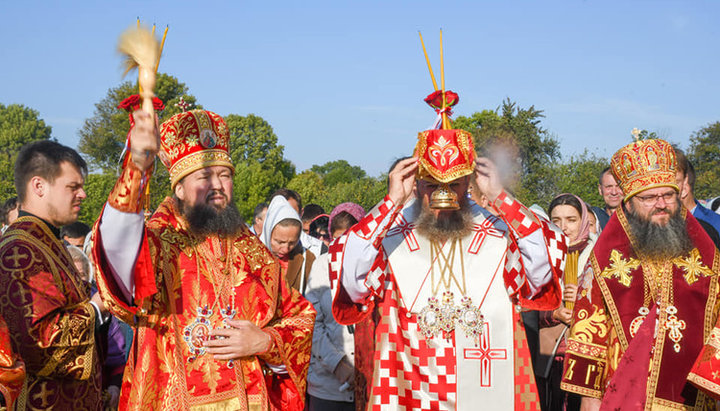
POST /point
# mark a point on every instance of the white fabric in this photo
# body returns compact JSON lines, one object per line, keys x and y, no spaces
{"x":278,"y":210}
{"x":310,"y":243}
{"x":122,"y":235}
{"x":331,"y":341}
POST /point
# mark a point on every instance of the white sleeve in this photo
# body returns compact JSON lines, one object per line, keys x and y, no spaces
{"x":535,"y":260}
{"x":121,"y":235}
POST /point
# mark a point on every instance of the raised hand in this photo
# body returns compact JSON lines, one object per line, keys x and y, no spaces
{"x":144,"y":139}
{"x":487,"y":179}
{"x":402,"y":180}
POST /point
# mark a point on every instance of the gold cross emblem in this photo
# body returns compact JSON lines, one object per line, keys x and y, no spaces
{"x":16,"y":257}
{"x":692,"y":266}
{"x":620,"y":268}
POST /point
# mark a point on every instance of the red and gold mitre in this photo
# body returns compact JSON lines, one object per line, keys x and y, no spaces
{"x":445,"y":155}
{"x":644,"y":164}
{"x":193,"y":140}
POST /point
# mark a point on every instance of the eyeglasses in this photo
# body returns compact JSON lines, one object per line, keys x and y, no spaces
{"x":649,"y":200}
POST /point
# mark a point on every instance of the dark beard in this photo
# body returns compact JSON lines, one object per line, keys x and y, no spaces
{"x":454,"y":225}
{"x":659,"y":242}
{"x":205,"y":220}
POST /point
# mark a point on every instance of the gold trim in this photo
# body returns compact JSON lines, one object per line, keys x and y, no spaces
{"x":196,"y":161}
{"x":580,"y":390}
{"x":609,"y":303}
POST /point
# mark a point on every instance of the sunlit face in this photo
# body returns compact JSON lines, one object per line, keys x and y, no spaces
{"x":425,"y":189}
{"x":306,"y":226}
{"x":65,"y":195}
{"x":568,"y":219}
{"x":610,"y":191}
{"x":210,"y":185}
{"x":259,"y":220}
{"x":283,"y":239}
{"x":655,"y":204}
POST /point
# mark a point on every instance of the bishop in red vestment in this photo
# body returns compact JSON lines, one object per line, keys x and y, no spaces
{"x":216,"y":326}
{"x":648,"y":298}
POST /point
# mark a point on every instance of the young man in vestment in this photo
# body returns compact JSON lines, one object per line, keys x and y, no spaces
{"x":51,"y":319}
{"x":440,"y":281}
{"x":648,"y":297}
{"x":216,"y":327}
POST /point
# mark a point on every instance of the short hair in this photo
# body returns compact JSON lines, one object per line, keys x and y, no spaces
{"x":342,"y":221}
{"x":288,"y":194}
{"x":289,"y":222}
{"x":10,"y":204}
{"x":686,"y":167}
{"x":43,"y":159}
{"x":319,"y":225}
{"x":602,"y":173}
{"x":258,"y":210}
{"x":715,"y":204}
{"x":75,"y":230}
{"x":565,"y":199}
{"x":311,"y":211}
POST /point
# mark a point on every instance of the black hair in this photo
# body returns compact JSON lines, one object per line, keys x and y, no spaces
{"x":342,"y":221}
{"x":565,"y":199}
{"x":258,"y":210}
{"x":10,"y":204}
{"x":311,"y":211}
{"x":319,"y":226}
{"x":75,"y":230}
{"x":43,"y":159}
{"x":288,"y":194}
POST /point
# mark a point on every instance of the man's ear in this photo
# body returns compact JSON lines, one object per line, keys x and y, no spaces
{"x":180,"y":191}
{"x":684,"y":188}
{"x":37,"y":185}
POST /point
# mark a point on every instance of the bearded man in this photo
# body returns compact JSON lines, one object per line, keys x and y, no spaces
{"x":647,"y":299}
{"x":216,"y":327}
{"x":436,"y":283}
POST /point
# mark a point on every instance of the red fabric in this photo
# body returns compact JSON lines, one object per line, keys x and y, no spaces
{"x":145,"y":285}
{"x":627,"y":388}
{"x":435,"y":99}
{"x":134,"y":102}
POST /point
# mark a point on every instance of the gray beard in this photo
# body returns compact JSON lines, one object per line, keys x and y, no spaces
{"x":660,"y":242}
{"x":455,"y":225}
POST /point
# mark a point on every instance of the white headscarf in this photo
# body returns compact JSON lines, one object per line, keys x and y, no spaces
{"x":278,"y":210}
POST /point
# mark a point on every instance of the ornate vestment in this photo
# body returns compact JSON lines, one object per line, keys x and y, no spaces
{"x":469,"y":362}
{"x":632,"y":316}
{"x":50,"y":320}
{"x":12,"y":369}
{"x":188,"y":286}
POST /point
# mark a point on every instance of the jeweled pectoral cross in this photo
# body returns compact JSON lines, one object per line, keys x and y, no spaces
{"x":674,"y":326}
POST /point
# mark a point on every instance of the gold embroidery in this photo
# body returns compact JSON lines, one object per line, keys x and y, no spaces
{"x":587,"y":326}
{"x":620,"y":268}
{"x":693,"y":266}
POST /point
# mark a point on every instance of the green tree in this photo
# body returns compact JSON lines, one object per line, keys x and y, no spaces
{"x":524,"y":152}
{"x":366,"y":191}
{"x":580,"y":177}
{"x":260,"y":167}
{"x":310,"y":186}
{"x":338,"y":171}
{"x":704,"y":153}
{"x":19,"y":125}
{"x":97,"y":188}
{"x":102,"y":137}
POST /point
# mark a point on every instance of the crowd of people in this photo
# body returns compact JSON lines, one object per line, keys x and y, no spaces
{"x":448,"y":294}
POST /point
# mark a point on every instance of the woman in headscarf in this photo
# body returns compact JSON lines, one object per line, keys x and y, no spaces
{"x":573,"y":217}
{"x":331,"y":376}
{"x":281,"y":234}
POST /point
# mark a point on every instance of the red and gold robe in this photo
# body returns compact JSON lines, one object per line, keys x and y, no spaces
{"x":192,"y":284}
{"x":615,"y":351}
{"x":12,"y":369}
{"x":49,"y":318}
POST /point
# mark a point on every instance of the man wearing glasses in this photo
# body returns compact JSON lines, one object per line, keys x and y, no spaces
{"x":646,"y":300}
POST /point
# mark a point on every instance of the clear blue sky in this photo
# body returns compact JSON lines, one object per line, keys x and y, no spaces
{"x":346,"y":80}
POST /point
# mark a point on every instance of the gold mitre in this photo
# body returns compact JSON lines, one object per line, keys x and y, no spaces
{"x":644,"y":164}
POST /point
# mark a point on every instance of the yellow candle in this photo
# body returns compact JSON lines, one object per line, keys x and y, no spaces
{"x":442,"y":84}
{"x":432,"y":76}
{"x":162,"y":44}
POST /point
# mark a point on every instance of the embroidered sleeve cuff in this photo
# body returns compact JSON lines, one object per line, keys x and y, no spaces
{"x":128,"y":195}
{"x":516,"y":215}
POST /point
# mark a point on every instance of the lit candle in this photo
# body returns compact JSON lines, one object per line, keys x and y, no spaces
{"x":432,"y":76}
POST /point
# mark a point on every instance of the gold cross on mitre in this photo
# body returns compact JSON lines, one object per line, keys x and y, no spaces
{"x":620,"y":268}
{"x":635,"y":133}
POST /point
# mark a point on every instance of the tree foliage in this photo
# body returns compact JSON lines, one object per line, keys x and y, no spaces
{"x":704,"y":153}
{"x":523,"y":151}
{"x":260,"y":167}
{"x":580,"y":177}
{"x":19,"y":125}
